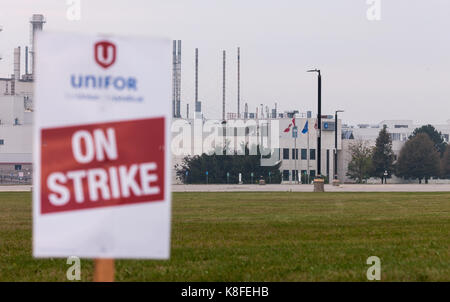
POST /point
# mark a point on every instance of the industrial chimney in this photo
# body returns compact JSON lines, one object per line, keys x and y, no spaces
{"x":37,"y":23}
{"x":26,"y":60}
{"x":238,"y":82}
{"x":17,"y":63}
{"x":176,"y":79}
{"x":179,"y":80}
{"x":196,"y":78}
{"x":223,"y":87}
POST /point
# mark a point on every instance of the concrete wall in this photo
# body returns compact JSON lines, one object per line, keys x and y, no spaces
{"x":17,"y":141}
{"x":11,"y":108}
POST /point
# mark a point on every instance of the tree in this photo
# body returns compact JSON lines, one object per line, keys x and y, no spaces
{"x":360,"y":165}
{"x":445,"y":164}
{"x":383,"y":156}
{"x":418,"y":158}
{"x":434,"y":135}
{"x":218,"y":166}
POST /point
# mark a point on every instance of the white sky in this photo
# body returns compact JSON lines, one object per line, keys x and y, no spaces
{"x":395,"y":68}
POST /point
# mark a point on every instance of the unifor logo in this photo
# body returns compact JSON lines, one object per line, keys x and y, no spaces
{"x":105,"y":53}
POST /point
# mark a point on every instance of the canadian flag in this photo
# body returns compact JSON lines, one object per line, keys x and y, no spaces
{"x":290,"y":125}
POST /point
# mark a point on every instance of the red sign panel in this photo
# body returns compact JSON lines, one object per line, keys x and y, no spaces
{"x":102,"y":165}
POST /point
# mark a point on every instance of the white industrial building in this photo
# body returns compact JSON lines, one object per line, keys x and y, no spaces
{"x":16,"y":114}
{"x":298,"y":156}
{"x":399,"y":130}
{"x":15,"y":136}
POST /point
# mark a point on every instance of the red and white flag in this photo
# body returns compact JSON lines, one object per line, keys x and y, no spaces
{"x":290,"y":125}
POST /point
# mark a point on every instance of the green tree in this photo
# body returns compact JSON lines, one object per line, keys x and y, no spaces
{"x":434,"y":135}
{"x":383,"y":156}
{"x":360,"y":166}
{"x":445,"y":164}
{"x":218,"y":166}
{"x":418,"y":159}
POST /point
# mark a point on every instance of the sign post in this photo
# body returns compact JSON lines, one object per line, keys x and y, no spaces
{"x":101,"y":155}
{"x":104,"y":270}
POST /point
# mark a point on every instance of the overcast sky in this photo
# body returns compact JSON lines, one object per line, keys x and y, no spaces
{"x":394,"y":68}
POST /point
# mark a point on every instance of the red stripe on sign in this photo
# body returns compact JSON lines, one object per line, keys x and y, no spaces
{"x":102,"y":165}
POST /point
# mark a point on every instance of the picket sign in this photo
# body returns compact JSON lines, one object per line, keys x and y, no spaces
{"x":102,"y":165}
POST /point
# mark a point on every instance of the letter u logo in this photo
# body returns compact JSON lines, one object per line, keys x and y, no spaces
{"x":105,"y":53}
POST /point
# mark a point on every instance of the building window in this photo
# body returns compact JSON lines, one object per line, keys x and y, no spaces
{"x":285,"y":153}
{"x":304,"y":154}
{"x":304,"y":176}
{"x":294,"y":175}
{"x":17,"y":167}
{"x":312,"y":173}
{"x":286,"y":175}
{"x":2,"y":141}
{"x":312,"y":154}
{"x":294,"y":153}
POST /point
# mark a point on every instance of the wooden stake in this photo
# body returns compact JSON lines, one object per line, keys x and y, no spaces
{"x":104,"y":270}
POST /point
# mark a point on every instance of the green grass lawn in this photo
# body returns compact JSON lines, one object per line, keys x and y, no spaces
{"x":267,"y":237}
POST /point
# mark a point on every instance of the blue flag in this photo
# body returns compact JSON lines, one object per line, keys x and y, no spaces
{"x":305,"y":129}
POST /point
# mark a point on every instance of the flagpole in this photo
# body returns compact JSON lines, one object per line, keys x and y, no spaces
{"x":307,"y":155}
{"x":295,"y":128}
{"x":295,"y":160}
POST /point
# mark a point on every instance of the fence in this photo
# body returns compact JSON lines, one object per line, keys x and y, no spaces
{"x":11,"y":179}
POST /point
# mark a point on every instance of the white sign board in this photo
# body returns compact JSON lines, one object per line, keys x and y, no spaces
{"x":101,"y":161}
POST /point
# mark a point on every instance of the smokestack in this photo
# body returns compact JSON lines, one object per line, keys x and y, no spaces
{"x":17,"y":63}
{"x":37,"y":24}
{"x":239,"y":82}
{"x":26,"y":60}
{"x":246,"y":111}
{"x":187,"y":111}
{"x":13,"y":85}
{"x":174,"y":78}
{"x":179,"y":80}
{"x":198,"y":104}
{"x":196,"y":76}
{"x":223,"y":87}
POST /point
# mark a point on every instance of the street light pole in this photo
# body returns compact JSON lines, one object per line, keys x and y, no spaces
{"x":336,"y":143}
{"x":319,"y":121}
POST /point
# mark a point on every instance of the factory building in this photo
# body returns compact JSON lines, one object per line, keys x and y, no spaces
{"x":399,"y":130}
{"x":16,"y":113}
{"x":298,"y":156}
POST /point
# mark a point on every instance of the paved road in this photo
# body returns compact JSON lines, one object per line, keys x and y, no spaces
{"x":286,"y":188}
{"x":15,"y":188}
{"x":309,"y":188}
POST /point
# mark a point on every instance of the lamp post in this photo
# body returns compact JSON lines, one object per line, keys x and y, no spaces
{"x":319,"y":120}
{"x":336,"y":143}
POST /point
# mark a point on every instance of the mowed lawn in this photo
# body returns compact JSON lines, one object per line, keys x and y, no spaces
{"x":266,"y":237}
